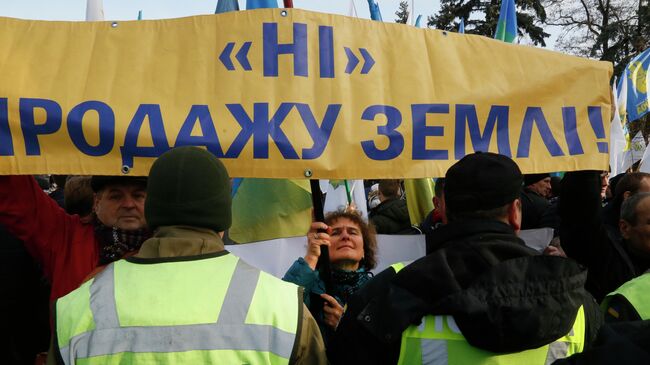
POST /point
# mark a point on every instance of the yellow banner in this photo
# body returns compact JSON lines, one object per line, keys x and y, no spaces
{"x":290,"y":94}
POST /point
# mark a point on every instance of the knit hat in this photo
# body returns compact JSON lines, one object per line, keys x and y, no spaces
{"x":481,"y":181}
{"x":188,"y":186}
{"x":530,"y":179}
{"x":98,"y":182}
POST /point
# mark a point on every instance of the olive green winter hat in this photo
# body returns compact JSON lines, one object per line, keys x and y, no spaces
{"x":188,"y":186}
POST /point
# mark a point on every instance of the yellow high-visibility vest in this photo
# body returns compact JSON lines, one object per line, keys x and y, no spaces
{"x":438,"y":340}
{"x":636,"y":292}
{"x":210,"y":310}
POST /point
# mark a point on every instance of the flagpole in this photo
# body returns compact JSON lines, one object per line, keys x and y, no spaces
{"x":323,"y":265}
{"x":347,"y":191}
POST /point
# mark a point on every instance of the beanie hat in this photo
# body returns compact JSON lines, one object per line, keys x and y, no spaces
{"x":188,"y":186}
{"x":98,"y":182}
{"x":482,"y":181}
{"x":530,"y":179}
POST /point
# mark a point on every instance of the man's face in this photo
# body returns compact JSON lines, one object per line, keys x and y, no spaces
{"x":604,"y":183}
{"x":639,"y":234}
{"x":121,"y":206}
{"x":542,"y":187}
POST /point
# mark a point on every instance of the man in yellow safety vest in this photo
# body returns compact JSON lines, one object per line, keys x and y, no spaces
{"x":184,"y":299}
{"x":481,"y":297}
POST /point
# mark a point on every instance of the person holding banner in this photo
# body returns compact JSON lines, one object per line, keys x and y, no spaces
{"x":352,"y":247}
{"x":481,"y":297}
{"x":68,"y":248}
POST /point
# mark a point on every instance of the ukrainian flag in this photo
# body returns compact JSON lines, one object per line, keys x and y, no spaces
{"x":507,"y":25}
{"x":635,"y":77}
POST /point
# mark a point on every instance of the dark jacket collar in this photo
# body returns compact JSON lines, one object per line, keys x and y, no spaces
{"x":456,"y":230}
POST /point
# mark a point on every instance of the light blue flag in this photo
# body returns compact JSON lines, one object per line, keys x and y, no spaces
{"x":461,"y":26}
{"x":224,"y":6}
{"x":507,"y":25}
{"x":635,"y":77}
{"x":417,"y":21}
{"x":260,"y":4}
{"x":375,"y":14}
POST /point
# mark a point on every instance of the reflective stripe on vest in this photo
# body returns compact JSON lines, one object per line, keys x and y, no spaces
{"x":438,"y":340}
{"x":637,"y":292}
{"x":398,"y":266}
{"x":432,"y":341}
{"x":237,"y":333}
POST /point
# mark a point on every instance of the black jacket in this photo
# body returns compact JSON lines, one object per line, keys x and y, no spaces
{"x":391,"y":217}
{"x":587,"y":239}
{"x":24,"y":299}
{"x":428,"y":228}
{"x":503,"y":296}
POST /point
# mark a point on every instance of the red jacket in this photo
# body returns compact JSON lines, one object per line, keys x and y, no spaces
{"x":66,"y":248}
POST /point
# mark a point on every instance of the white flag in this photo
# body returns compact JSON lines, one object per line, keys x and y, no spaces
{"x":635,"y":152}
{"x":353,"y":10}
{"x":412,"y":13}
{"x":645,"y":161}
{"x":337,"y":196}
{"x":94,"y":10}
{"x":617,"y":140}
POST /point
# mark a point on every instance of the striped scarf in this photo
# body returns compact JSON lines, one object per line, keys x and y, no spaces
{"x":114,"y":243}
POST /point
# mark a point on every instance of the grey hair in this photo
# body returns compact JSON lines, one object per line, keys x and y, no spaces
{"x":628,"y":209}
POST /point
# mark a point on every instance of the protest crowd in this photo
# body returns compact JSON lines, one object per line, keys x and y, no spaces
{"x":585,"y":295}
{"x":521,"y":265}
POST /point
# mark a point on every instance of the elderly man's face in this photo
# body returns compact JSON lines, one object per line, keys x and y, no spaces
{"x":639,"y":234}
{"x":121,"y":206}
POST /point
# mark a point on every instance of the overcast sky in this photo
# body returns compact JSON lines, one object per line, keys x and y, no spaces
{"x":159,"y":9}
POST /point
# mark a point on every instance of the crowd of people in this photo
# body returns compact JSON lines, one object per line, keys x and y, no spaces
{"x":137,"y":272}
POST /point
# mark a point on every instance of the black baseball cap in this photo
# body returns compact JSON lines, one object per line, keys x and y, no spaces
{"x":482,"y":181}
{"x":530,"y":179}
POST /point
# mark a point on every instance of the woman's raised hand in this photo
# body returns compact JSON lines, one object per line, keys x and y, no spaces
{"x":315,"y":240}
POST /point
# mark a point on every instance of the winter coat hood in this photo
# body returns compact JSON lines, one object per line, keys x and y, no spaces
{"x":522,"y":303}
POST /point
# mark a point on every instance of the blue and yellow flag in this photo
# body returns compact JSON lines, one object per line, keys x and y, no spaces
{"x":419,"y":198}
{"x":264,"y":209}
{"x":417,"y":21}
{"x":224,"y":6}
{"x":261,"y":4}
{"x":375,"y":14}
{"x":635,"y":78}
{"x":507,"y":25}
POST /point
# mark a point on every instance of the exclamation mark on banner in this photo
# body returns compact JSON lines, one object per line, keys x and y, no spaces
{"x":596,"y":120}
